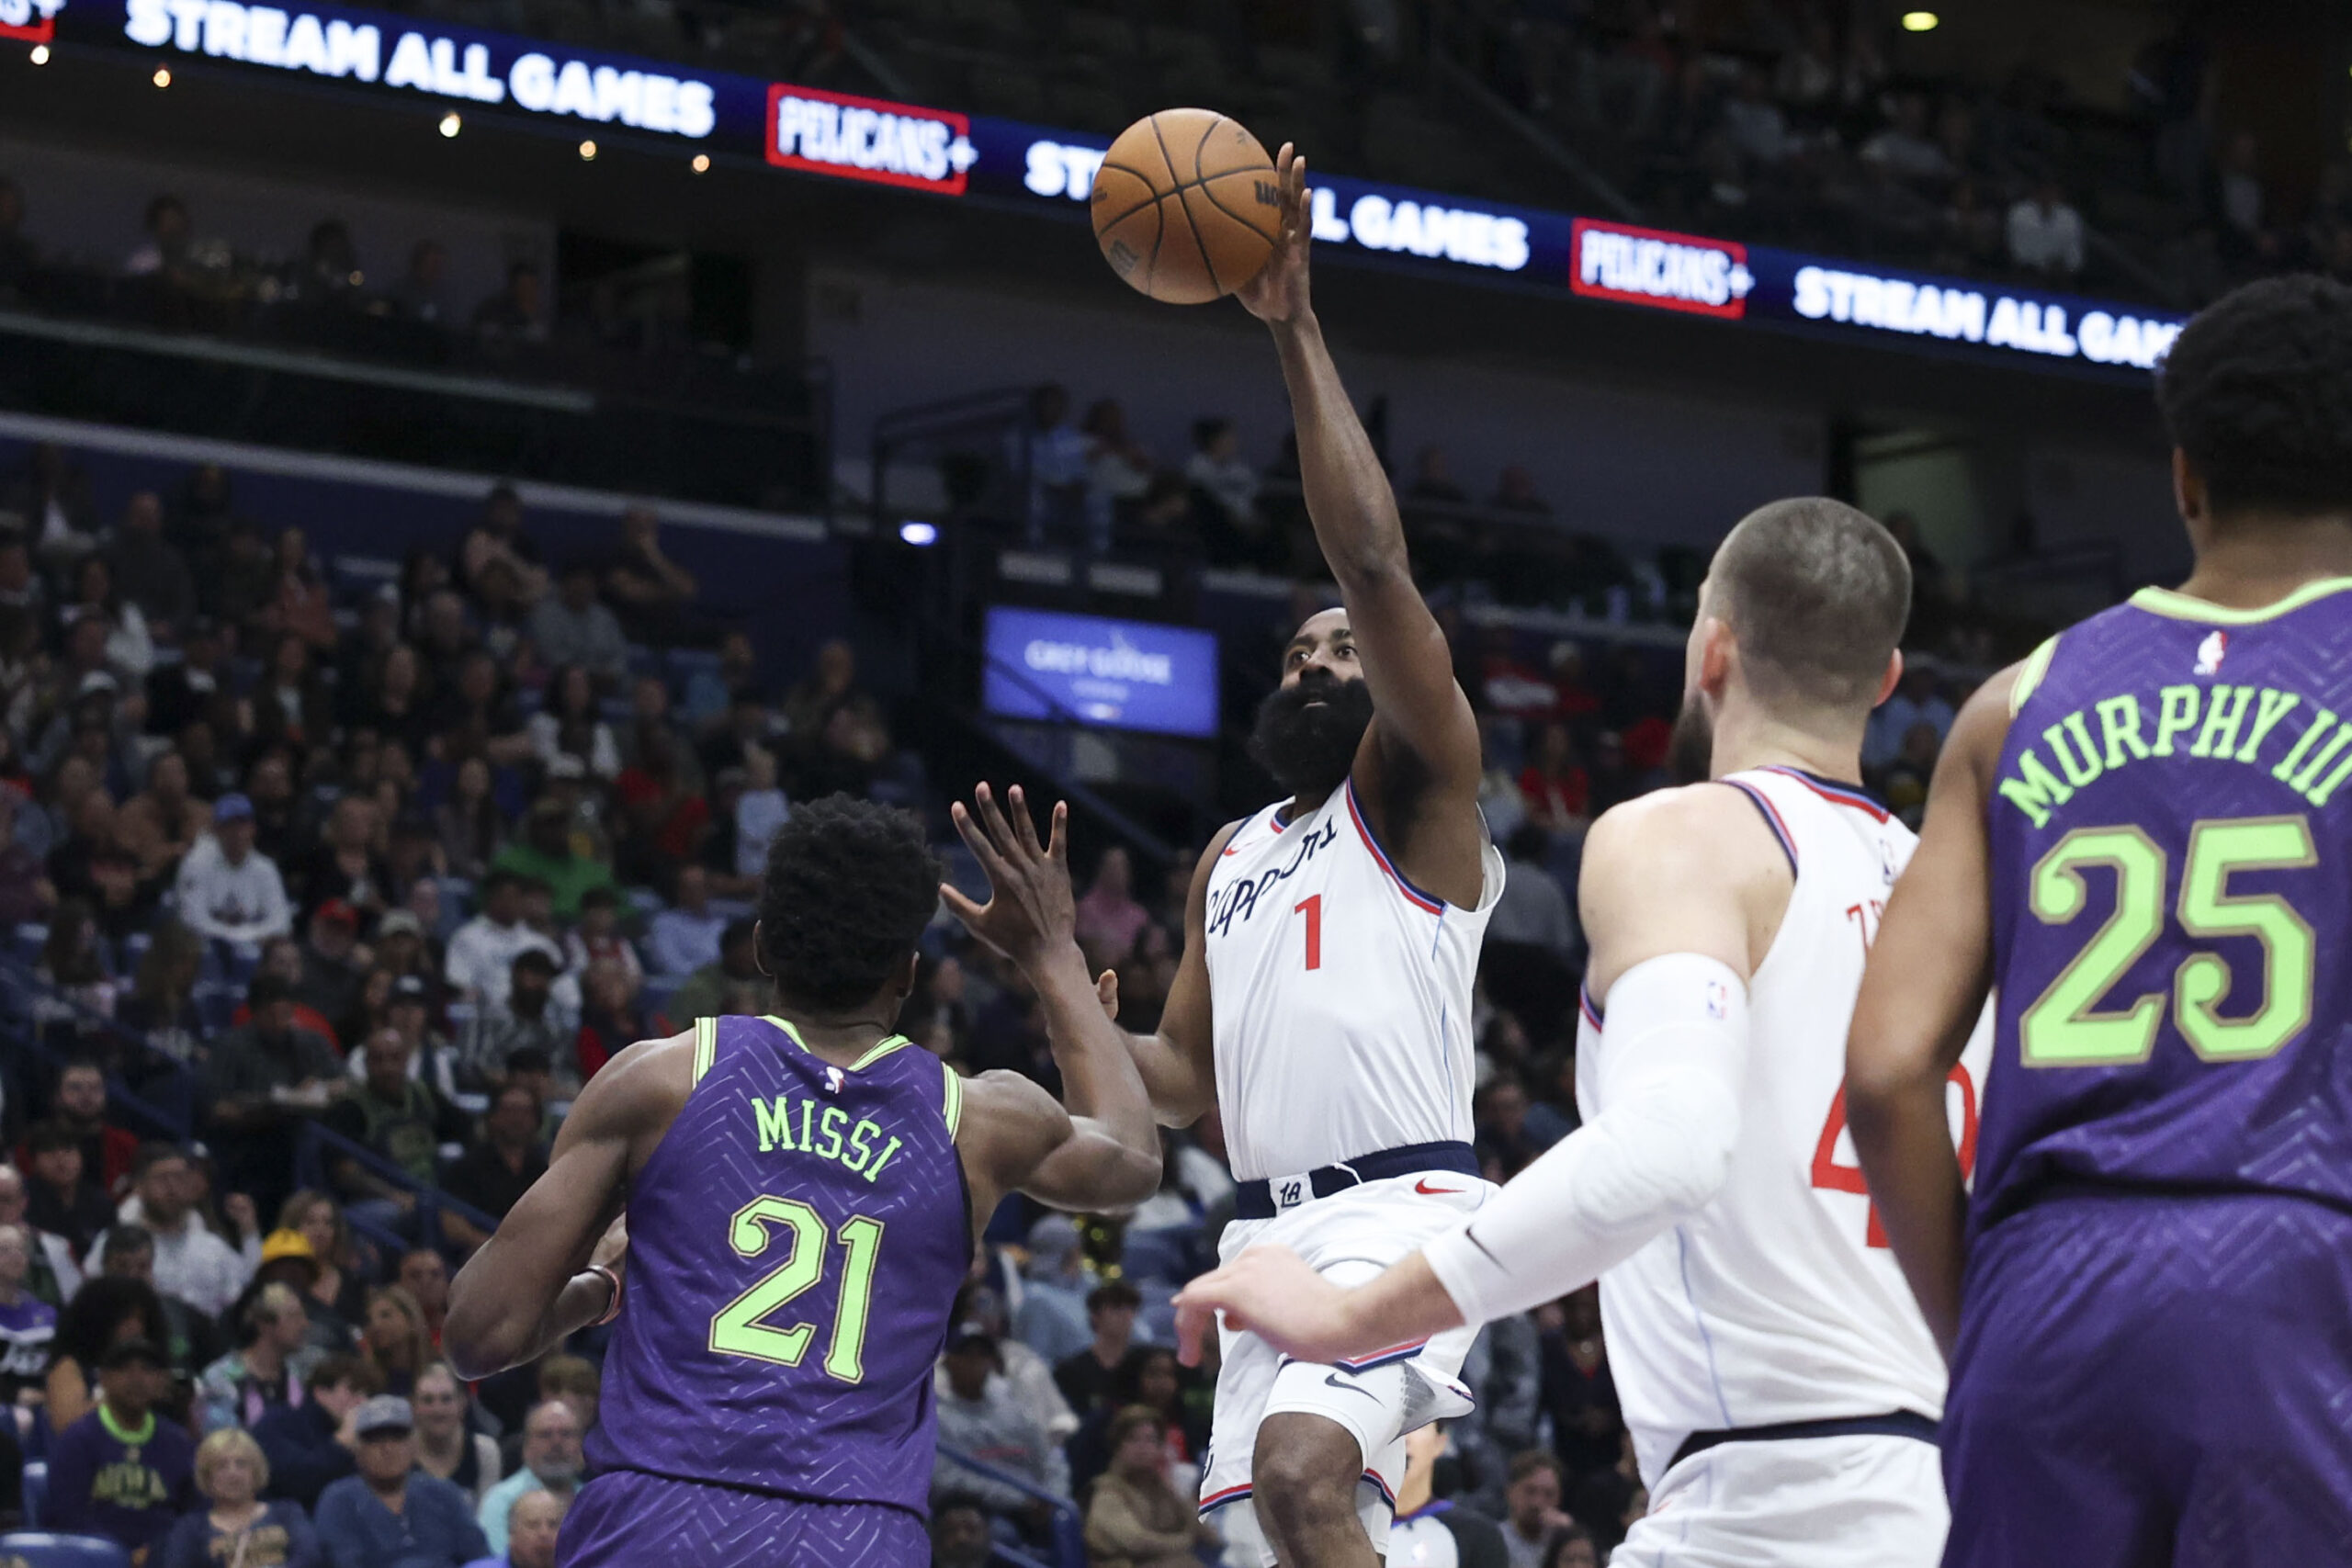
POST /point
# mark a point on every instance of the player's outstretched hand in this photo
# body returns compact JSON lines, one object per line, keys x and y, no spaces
{"x":1270,"y":1291}
{"x":1030,"y":910}
{"x":1278,"y":293}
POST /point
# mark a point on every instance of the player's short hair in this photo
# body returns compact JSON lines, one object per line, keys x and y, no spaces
{"x":1817,"y":593}
{"x":2257,"y":392}
{"x":850,"y":886}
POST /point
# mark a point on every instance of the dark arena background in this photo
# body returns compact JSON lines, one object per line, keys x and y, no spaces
{"x":469,"y":469}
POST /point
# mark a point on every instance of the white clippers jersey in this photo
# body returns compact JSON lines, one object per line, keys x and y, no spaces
{"x":1780,"y":1300}
{"x":1341,"y":994}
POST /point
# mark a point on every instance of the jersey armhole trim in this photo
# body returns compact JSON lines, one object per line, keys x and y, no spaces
{"x":1413,"y":895}
{"x":2031,"y":674}
{"x":705,"y":1046}
{"x":1771,"y":815}
{"x":951,"y":1105}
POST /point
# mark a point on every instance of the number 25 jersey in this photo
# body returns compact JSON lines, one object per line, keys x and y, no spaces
{"x":2171,"y":832}
{"x":794,"y":1246}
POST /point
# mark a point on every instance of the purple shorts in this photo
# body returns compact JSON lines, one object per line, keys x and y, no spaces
{"x":628,"y":1519}
{"x":2155,"y":1380}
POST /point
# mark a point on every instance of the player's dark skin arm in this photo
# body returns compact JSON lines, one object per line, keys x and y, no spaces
{"x":1107,"y":1156}
{"x":527,"y":1286}
{"x":1921,"y":997}
{"x":1419,"y":710}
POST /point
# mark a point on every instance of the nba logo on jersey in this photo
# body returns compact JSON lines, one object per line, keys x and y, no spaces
{"x":834,"y":1080}
{"x":2210,"y":651}
{"x":1718,"y":999}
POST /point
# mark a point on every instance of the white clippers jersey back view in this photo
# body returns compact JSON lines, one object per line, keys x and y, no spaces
{"x":1780,"y":1300}
{"x":1341,"y":994}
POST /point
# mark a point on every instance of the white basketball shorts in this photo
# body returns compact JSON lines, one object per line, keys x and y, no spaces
{"x":1851,"y":1502}
{"x":1349,"y":1238}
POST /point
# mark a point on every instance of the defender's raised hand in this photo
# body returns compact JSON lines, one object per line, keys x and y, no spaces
{"x":1278,"y":294}
{"x":1031,"y":910}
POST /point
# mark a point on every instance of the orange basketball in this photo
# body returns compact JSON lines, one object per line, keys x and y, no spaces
{"x":1185,"y":205}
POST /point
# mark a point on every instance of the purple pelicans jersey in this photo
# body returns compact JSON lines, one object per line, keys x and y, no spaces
{"x":2171,"y":897}
{"x":795,"y":1243}
{"x":2154,"y":1357}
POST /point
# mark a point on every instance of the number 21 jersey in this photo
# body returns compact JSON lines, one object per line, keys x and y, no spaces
{"x":795,"y":1243}
{"x":2171,"y":832}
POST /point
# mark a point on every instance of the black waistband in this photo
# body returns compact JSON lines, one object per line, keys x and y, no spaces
{"x":1255,"y":1200}
{"x":1892,"y":1423}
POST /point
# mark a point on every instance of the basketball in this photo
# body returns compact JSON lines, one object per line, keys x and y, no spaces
{"x":1186,"y":207}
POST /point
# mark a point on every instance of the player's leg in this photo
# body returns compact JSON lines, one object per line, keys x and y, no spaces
{"x":1308,"y":1468}
{"x":2057,"y":1436}
{"x":2265,"y":1316}
{"x":1854,"y":1502}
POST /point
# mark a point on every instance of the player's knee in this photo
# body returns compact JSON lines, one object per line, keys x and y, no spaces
{"x":1305,"y":1470}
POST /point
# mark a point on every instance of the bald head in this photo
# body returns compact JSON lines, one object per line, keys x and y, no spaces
{"x":1816,"y":593}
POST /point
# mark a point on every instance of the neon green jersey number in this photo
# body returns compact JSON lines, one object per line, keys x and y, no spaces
{"x":2065,"y":1029}
{"x":2061,"y":1030}
{"x":741,"y":1327}
{"x":2208,"y":908}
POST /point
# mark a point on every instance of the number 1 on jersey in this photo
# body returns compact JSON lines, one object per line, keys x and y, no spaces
{"x":1312,"y":907}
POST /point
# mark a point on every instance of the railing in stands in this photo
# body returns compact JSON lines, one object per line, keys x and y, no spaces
{"x":1068,"y":1528}
{"x":171,"y":1115}
{"x":316,"y":1149}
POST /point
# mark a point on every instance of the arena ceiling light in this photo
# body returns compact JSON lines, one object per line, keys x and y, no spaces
{"x":452,"y":123}
{"x":162,"y":77}
{"x":1920,"y":21}
{"x":587,"y":151}
{"x":702,"y":163}
{"x":40,"y":54}
{"x":919,"y":534}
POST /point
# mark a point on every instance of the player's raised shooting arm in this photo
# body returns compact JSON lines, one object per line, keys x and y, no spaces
{"x":1111,"y":1154}
{"x":1921,"y":997}
{"x":1353,"y":509}
{"x":529,"y":1286}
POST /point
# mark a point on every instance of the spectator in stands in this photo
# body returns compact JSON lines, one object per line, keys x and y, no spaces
{"x":53,"y":1274}
{"x":1554,"y":786}
{"x":2046,"y":232}
{"x":248,"y":581}
{"x":149,"y":572}
{"x":518,"y":310}
{"x":551,"y":1462}
{"x":482,"y":951}
{"x":80,"y":1105}
{"x":1217,"y":470}
{"x":330,"y":983}
{"x":733,"y":985}
{"x":391,"y":1515}
{"x":1053,"y":1320}
{"x":1580,"y":1393}
{"x":498,"y":535}
{"x":1533,"y":911}
{"x":238,"y":1528}
{"x":760,"y":811}
{"x":597,"y":938}
{"x":161,"y":823}
{"x":423,"y":1273}
{"x":837,"y":727}
{"x":475,"y":715}
{"x":533,"y":1526}
{"x":470,"y":827}
{"x":347,"y":867}
{"x":26,"y":892}
{"x":1109,"y":918}
{"x":1055,"y":457}
{"x":1915,"y":701}
{"x":266,"y":1371}
{"x":1515,"y":492}
{"x":1107,"y":1366}
{"x":980,"y":1416}
{"x":194,"y":690}
{"x":123,"y":1471}
{"x":28,"y":1324}
{"x":528,"y":1018}
{"x":227,"y":889}
{"x":421,"y":293}
{"x":652,"y":593}
{"x":1573,"y":1547}
{"x":104,"y":1313}
{"x":396,"y":1338}
{"x":1118,"y":467}
{"x":190,"y":1341}
{"x":610,"y":1019}
{"x":261,"y":1078}
{"x":311,"y":1445}
{"x":1134,"y":1518}
{"x":1427,"y":1529}
{"x":959,"y":1532}
{"x":572,"y":626}
{"x":686,"y":936}
{"x":497,"y":1170}
{"x":1434,"y":477}
{"x":445,"y":1446}
{"x":162,"y":1003}
{"x":1905,"y":149}
{"x":190,"y":1262}
{"x":1533,"y":1509}
{"x":53,"y":496}
{"x":299,"y":604}
{"x":61,"y":1199}
{"x":547,"y":856}
{"x":398,"y":1118}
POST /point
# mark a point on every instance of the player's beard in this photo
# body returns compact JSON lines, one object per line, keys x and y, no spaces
{"x":1691,"y":754}
{"x":1306,"y":735}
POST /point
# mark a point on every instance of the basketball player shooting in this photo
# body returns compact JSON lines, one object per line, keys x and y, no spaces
{"x":1782,"y":1389}
{"x":1323,"y":1002}
{"x":803,"y":1192}
{"x":2138,"y":841}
